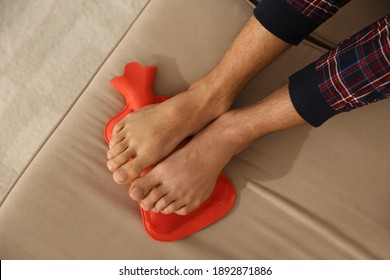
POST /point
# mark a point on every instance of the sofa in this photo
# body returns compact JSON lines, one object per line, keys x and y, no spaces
{"x":302,"y":193}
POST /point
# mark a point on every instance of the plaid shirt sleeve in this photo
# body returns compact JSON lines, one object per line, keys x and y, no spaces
{"x":355,"y":73}
{"x":293,"y":20}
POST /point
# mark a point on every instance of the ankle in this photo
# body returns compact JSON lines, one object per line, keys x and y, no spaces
{"x":237,"y":132}
{"x":213,"y":95}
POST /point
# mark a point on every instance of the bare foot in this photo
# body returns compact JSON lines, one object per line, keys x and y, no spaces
{"x":153,"y":132}
{"x":185,"y":179}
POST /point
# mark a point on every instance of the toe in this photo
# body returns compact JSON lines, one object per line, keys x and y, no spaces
{"x":186,"y":209}
{"x":173,"y":207}
{"x":148,"y":202}
{"x":140,"y":187}
{"x":117,"y":149}
{"x":162,"y":203}
{"x":128,"y":172}
{"x":116,"y":138}
{"x":120,"y":160}
{"x":118,"y":127}
{"x":133,"y":168}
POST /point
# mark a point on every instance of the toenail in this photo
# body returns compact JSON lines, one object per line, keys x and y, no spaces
{"x":109,"y":155}
{"x":137,"y":194}
{"x":119,"y":176}
{"x":154,"y":210}
{"x":109,"y":166}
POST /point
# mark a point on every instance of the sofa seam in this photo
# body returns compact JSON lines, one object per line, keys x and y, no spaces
{"x":70,"y":107}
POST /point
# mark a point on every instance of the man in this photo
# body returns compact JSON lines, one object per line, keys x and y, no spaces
{"x":355,"y":73}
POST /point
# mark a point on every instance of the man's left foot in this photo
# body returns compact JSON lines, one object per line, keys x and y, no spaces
{"x":184,"y":180}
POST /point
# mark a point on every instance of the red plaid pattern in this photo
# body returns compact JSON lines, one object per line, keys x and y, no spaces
{"x":357,"y":71}
{"x":318,"y":10}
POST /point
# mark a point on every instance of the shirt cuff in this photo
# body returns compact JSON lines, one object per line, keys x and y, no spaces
{"x":307,"y":98}
{"x":279,"y":18}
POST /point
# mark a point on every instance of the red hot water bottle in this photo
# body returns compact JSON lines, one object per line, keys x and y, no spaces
{"x":136,"y":86}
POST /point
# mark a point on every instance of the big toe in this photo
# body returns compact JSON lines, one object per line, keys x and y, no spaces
{"x":140,"y":187}
{"x":127,"y":172}
{"x":120,"y":159}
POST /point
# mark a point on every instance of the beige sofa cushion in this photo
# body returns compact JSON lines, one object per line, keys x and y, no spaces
{"x":353,"y":17}
{"x":303,"y":193}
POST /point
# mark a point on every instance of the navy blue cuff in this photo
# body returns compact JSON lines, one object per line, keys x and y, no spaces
{"x":307,"y":98}
{"x":283,"y":21}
